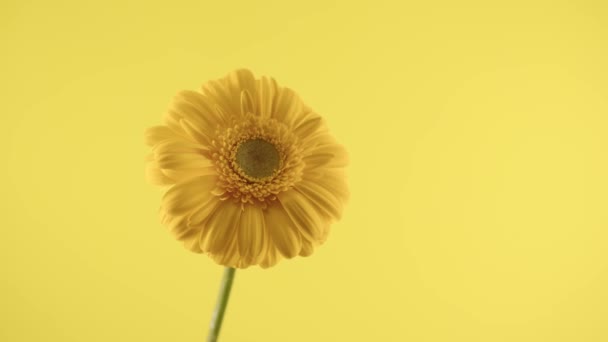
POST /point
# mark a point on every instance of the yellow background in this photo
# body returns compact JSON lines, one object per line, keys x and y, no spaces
{"x":477,"y":133}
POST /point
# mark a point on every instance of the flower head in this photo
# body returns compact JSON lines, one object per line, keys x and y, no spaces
{"x":255,"y":175}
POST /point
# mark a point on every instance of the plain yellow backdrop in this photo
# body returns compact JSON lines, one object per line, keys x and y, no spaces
{"x":477,"y":133}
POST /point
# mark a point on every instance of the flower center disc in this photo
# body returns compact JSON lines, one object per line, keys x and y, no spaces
{"x":257,"y":158}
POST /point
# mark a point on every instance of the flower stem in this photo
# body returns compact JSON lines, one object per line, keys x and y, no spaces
{"x":222,"y":302}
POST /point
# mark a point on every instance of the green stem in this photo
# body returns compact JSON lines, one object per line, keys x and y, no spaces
{"x":222,"y":302}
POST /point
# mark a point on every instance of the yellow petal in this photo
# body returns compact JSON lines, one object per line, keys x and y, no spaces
{"x":247,"y":104}
{"x":241,"y":87}
{"x":181,"y":160}
{"x":252,"y":237}
{"x":155,"y":176}
{"x":287,"y":106}
{"x":326,"y":202}
{"x":157,"y":134}
{"x":309,"y":124}
{"x":239,"y":80}
{"x":266,"y":90}
{"x":204,"y":211}
{"x":307,"y":248}
{"x":325,"y":156}
{"x":196,"y":221}
{"x":302,"y":213}
{"x":282,"y":231}
{"x":192,"y":242}
{"x":217,"y":92}
{"x":186,"y":197}
{"x":229,"y":256}
{"x":325,"y":234}
{"x":195,"y":115}
{"x":205,"y":107}
{"x":271,"y":258}
{"x":242,"y":76}
{"x":335,"y":181}
{"x":178,"y":226}
{"x":220,"y":227}
{"x":195,"y":132}
{"x":186,"y":174}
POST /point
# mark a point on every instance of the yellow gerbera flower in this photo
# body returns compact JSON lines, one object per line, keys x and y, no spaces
{"x":254,"y":173}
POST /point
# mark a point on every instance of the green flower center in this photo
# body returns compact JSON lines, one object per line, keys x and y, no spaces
{"x":257,"y":158}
